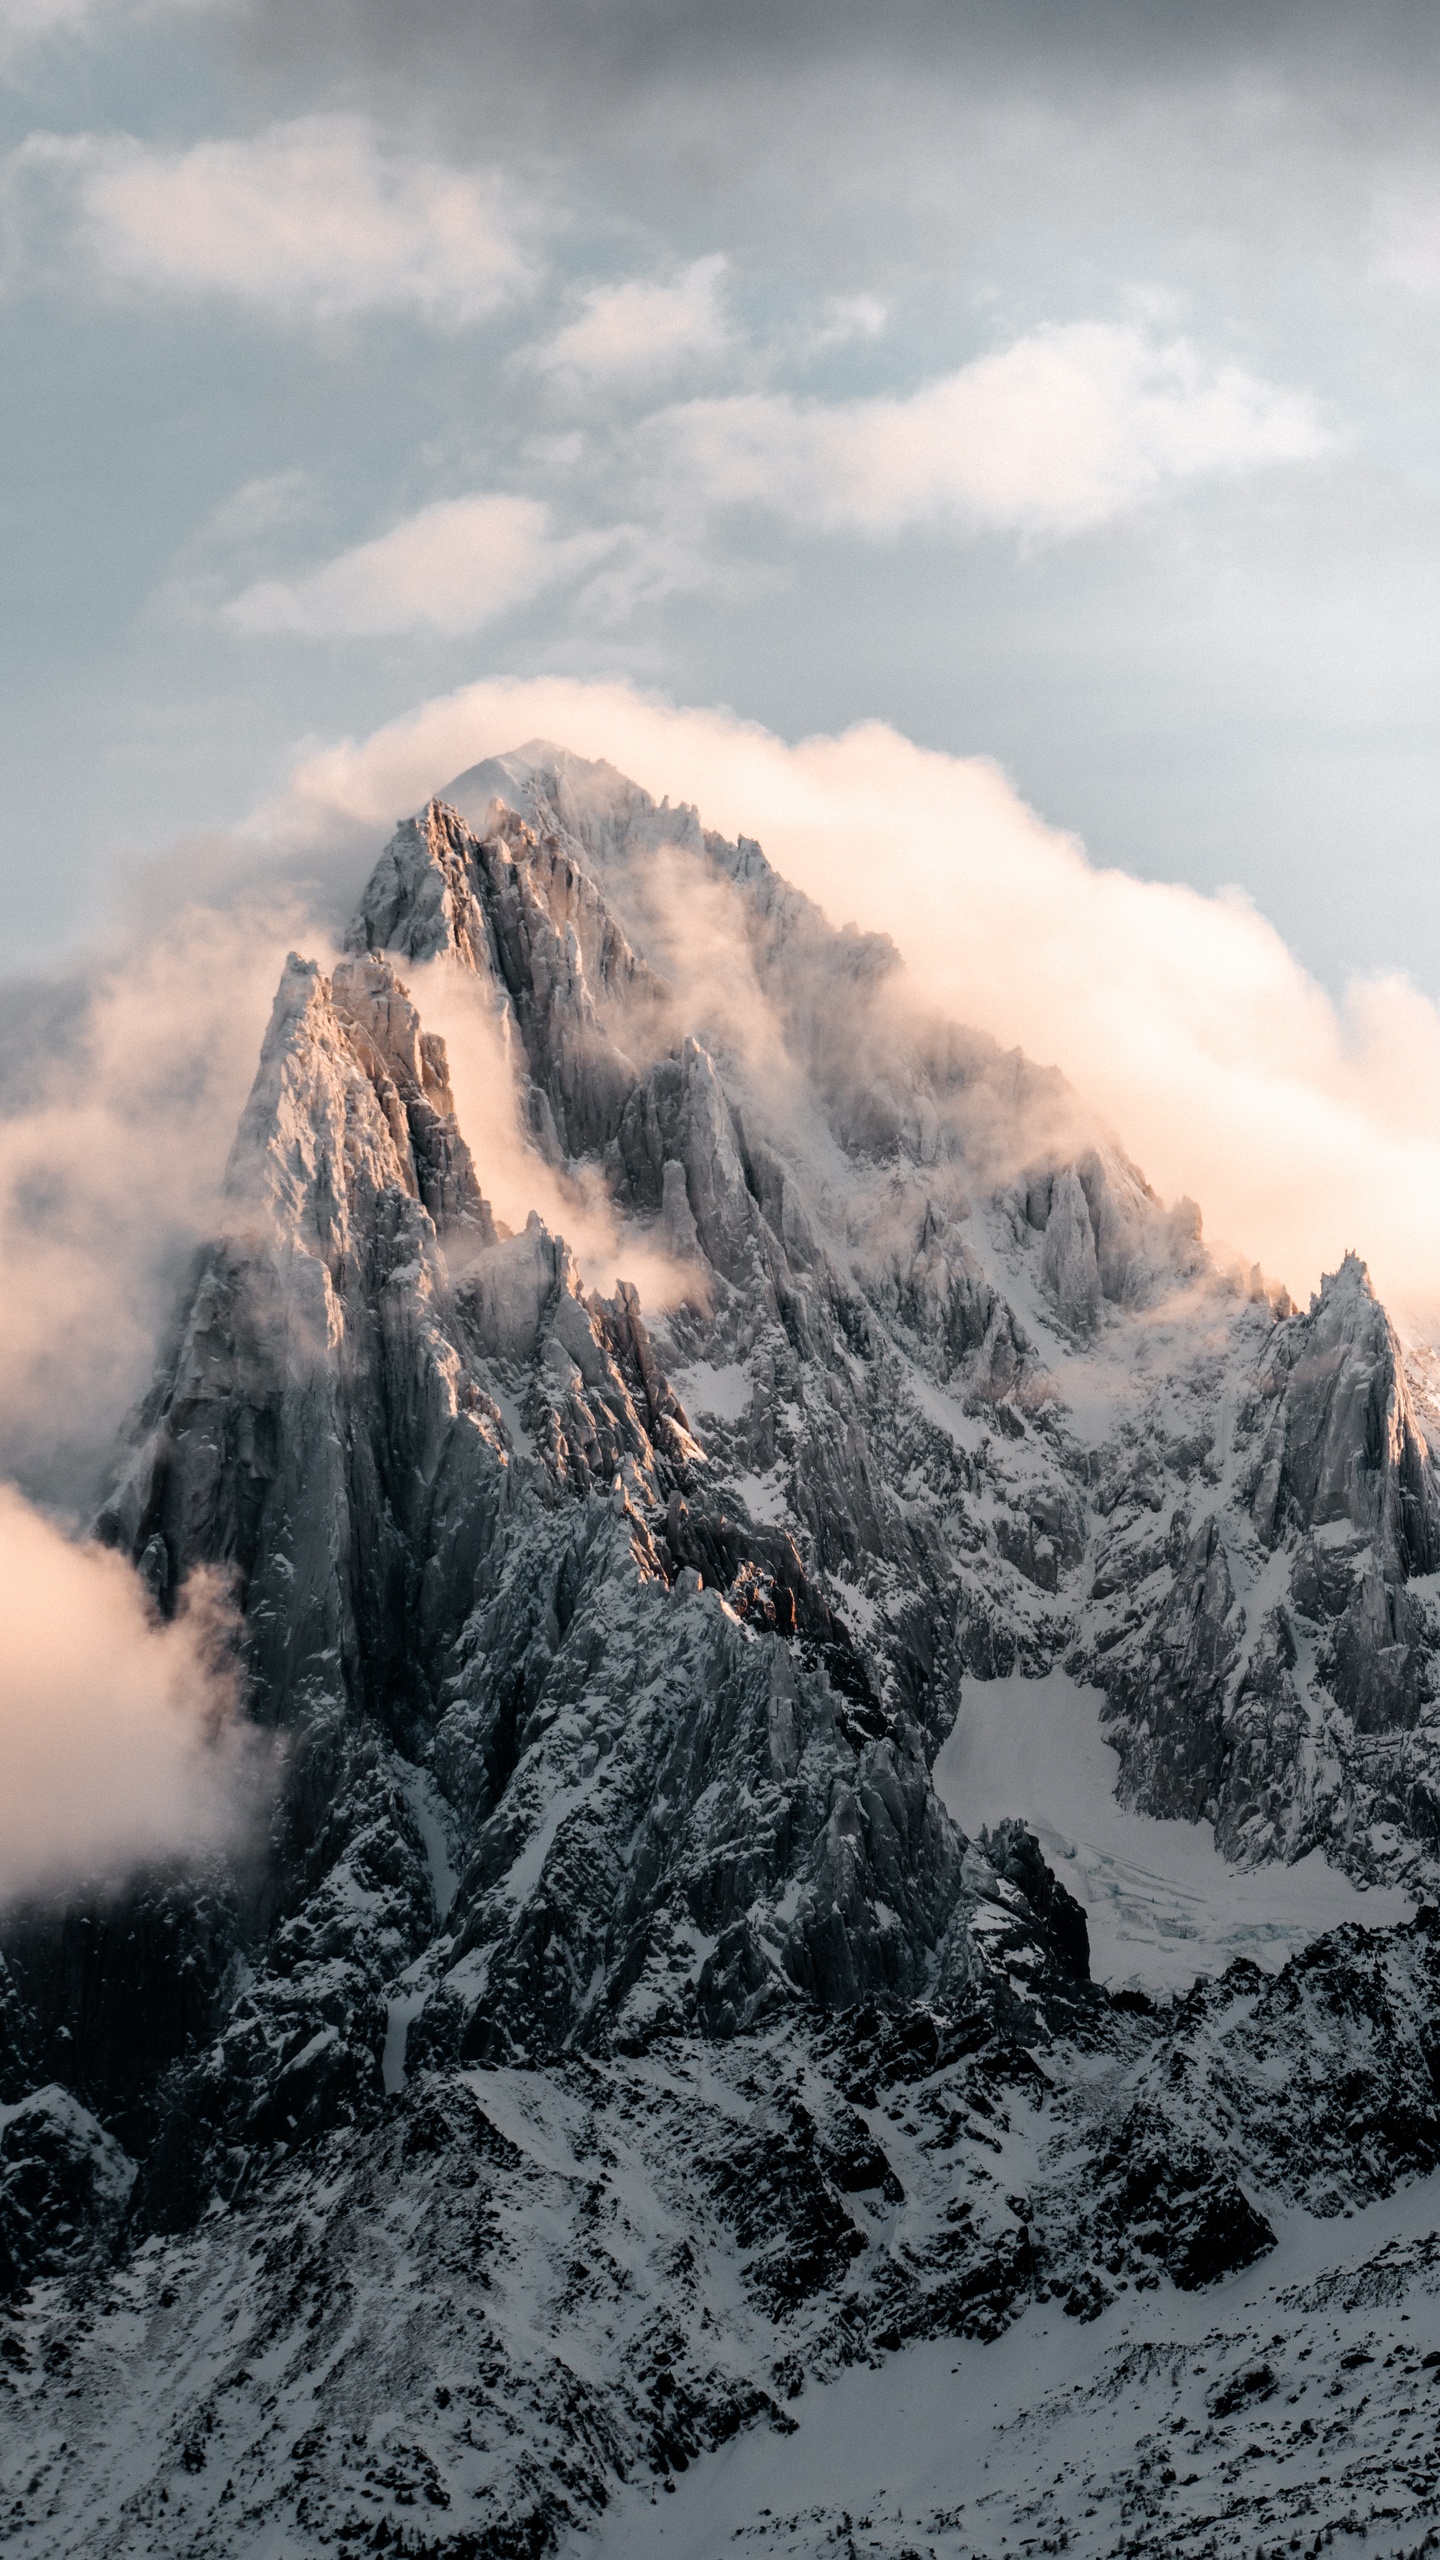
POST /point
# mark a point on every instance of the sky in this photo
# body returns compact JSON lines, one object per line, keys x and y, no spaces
{"x":1054,"y":382}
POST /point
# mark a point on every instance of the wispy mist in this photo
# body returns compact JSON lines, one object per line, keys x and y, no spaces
{"x":513,"y":1175}
{"x":115,"y":1122}
{"x":118,"y":1742}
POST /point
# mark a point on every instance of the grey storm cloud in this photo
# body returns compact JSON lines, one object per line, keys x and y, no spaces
{"x":908,"y":141}
{"x":623,"y":54}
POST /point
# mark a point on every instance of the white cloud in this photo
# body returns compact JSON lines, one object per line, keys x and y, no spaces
{"x":848,"y":317}
{"x":1301,"y":1126}
{"x":116,"y":1745}
{"x":643,"y":327}
{"x":1065,"y":429}
{"x":451,"y":568}
{"x":311,"y":220}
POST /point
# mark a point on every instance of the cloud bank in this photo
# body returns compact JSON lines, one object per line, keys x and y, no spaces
{"x":1065,"y":429}
{"x":1302,"y":1125}
{"x":309,"y":220}
{"x":450,"y":568}
{"x":117,"y":1745}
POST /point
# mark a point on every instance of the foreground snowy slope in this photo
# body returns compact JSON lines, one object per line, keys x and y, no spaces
{"x":1288,"y":2408}
{"x":651,"y":1999}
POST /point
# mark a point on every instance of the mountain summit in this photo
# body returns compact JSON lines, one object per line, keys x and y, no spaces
{"x":647,"y":2002}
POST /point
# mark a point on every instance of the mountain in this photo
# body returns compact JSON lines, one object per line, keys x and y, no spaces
{"x":857,"y":1816}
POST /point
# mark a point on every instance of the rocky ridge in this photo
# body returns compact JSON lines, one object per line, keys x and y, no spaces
{"x":616,"y":2030}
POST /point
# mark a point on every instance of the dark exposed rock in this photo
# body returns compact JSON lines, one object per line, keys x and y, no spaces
{"x":108,"y":1992}
{"x":64,"y":2185}
{"x":1168,"y":2197}
{"x":1014,"y":1853}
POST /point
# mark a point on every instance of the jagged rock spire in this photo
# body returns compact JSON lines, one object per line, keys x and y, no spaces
{"x":351,"y":1100}
{"x":521,"y":909}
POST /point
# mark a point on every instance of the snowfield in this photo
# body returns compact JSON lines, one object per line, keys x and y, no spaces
{"x":1162,"y":1903}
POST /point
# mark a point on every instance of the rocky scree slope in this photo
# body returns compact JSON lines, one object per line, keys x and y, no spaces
{"x":615,"y":2029}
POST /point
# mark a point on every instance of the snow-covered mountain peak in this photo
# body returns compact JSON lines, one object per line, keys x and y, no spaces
{"x":727,"y":1726}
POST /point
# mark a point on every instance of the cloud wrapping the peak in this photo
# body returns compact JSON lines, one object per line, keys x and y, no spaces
{"x":1301,"y":1126}
{"x":1188,"y":1027}
{"x":309,"y":220}
{"x":1065,"y":429}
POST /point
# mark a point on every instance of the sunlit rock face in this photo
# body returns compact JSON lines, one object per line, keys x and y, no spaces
{"x":613,"y":2030}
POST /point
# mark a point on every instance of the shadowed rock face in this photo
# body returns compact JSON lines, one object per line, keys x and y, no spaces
{"x":1347,"y":1471}
{"x":64,"y":2186}
{"x":311,"y":1429}
{"x":609,"y":1638}
{"x":1326,"y":1517}
{"x":460,"y":1515}
{"x":1344,"y":1447}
